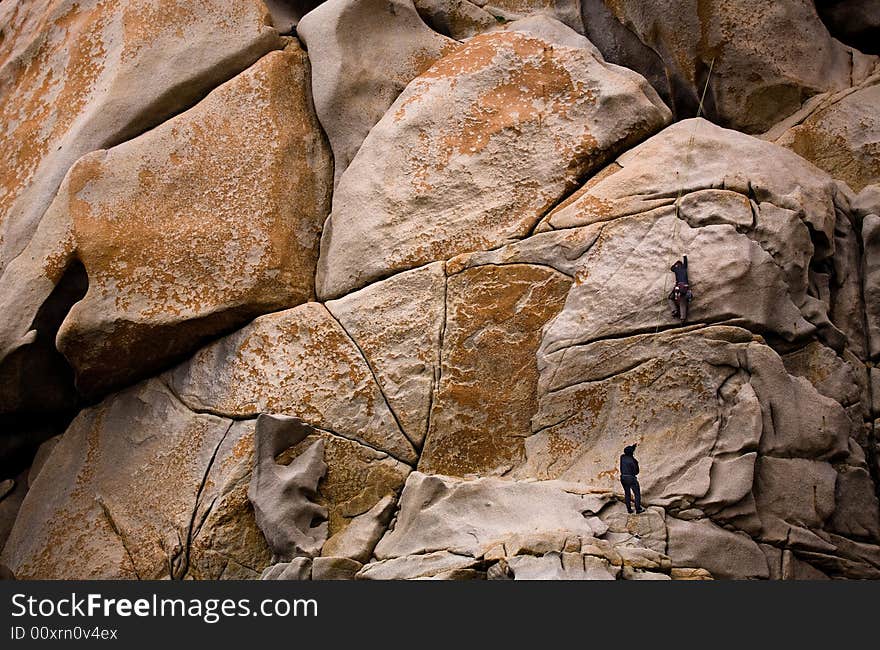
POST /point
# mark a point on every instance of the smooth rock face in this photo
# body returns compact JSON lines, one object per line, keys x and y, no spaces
{"x":470,"y":517}
{"x":760,"y":74}
{"x":300,"y":363}
{"x":725,"y":554}
{"x":363,"y":54}
{"x":474,"y":151}
{"x":397,"y":325}
{"x":843,"y":138}
{"x":117,"y":496}
{"x":487,"y":393}
{"x":356,"y":489}
{"x":283,"y":496}
{"x":80,"y":76}
{"x":158,"y":224}
{"x":700,"y":190}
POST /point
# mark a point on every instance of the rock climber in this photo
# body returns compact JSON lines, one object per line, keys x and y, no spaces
{"x":681,"y":295}
{"x":629,"y":468}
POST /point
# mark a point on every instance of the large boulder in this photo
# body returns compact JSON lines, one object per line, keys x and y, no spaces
{"x":475,"y":150}
{"x":122,"y":494}
{"x":705,"y":191}
{"x":183,"y":188}
{"x":743,"y":54}
{"x":76,"y":77}
{"x":363,"y":54}
{"x":88,"y":75}
{"x":842,"y":135}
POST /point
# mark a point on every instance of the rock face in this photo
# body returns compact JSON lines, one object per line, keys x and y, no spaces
{"x":443,"y":388}
{"x":842,"y":135}
{"x":76,"y":77}
{"x":479,"y":147}
{"x":79,"y":76}
{"x":282,"y":495}
{"x":253,"y":147}
{"x":760,"y":74}
{"x":363,"y":54}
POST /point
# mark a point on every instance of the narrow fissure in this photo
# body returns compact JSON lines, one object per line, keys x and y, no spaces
{"x":375,"y":379}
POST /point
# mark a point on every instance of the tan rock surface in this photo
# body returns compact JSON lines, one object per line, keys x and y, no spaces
{"x":298,"y":362}
{"x":158,"y":223}
{"x":760,"y":74}
{"x":363,"y":54}
{"x":843,"y":137}
{"x":487,"y":392}
{"x":474,"y":151}
{"x":397,"y":324}
{"x":117,"y":496}
{"x":80,"y":76}
{"x":468,"y":518}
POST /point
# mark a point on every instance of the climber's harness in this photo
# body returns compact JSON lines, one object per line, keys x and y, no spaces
{"x":681,"y":289}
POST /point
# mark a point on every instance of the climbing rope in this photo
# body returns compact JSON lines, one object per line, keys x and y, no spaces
{"x":676,"y":237}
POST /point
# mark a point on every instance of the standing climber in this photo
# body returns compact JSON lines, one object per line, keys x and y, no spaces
{"x":681,"y":294}
{"x":629,"y":468}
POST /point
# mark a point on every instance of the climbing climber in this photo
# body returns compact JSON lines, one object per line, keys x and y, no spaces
{"x":681,"y":294}
{"x":629,"y":467}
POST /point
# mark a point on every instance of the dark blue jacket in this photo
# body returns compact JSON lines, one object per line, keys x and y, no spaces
{"x":629,"y":466}
{"x":681,"y":271}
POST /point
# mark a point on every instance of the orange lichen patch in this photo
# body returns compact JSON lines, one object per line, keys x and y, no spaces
{"x":211,"y":219}
{"x":45,"y":89}
{"x":144,"y":23}
{"x":832,"y":152}
{"x":477,"y":54}
{"x":299,"y":363}
{"x":357,"y":477}
{"x":125,"y":490}
{"x":189,"y":206}
{"x":488,"y":387}
{"x":421,"y":60}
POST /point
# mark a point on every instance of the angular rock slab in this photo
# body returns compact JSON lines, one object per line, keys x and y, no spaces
{"x":474,"y":151}
{"x":487,"y":392}
{"x":80,"y":76}
{"x":440,"y":513}
{"x":844,"y":138}
{"x":119,"y":495}
{"x":199,"y":225}
{"x":300,"y":363}
{"x":397,"y":324}
{"x":363,"y":54}
{"x":724,"y":553}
